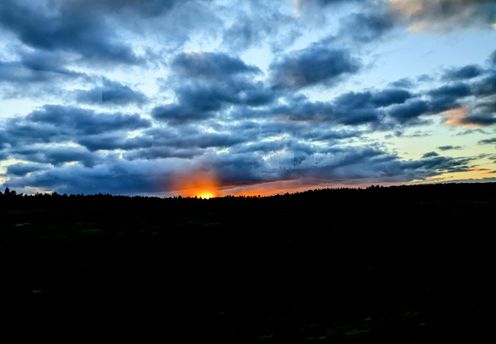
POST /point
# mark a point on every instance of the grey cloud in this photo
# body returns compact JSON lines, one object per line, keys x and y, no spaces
{"x":82,"y":121}
{"x":22,"y":169}
{"x":312,"y":66}
{"x":110,"y":93}
{"x":56,"y":155}
{"x":446,"y":14}
{"x":200,"y":101}
{"x":373,"y":165}
{"x":403,"y":83}
{"x":365,"y":27}
{"x":113,"y":141}
{"x":430,"y":155}
{"x":68,"y":27}
{"x":449,"y":147}
{"x":54,"y":124}
{"x":149,"y":8}
{"x":409,"y":111}
{"x":35,"y":67}
{"x":486,"y":86}
{"x":492,"y":58}
{"x":463,"y":73}
{"x":116,"y":177}
{"x":480,"y":119}
{"x":210,"y":65}
{"x":488,"y":141}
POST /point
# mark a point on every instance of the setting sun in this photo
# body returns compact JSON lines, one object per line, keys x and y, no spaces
{"x":197,"y":183}
{"x":205,"y":195}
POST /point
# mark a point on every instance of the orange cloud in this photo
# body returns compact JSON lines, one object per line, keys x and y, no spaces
{"x":457,"y":118}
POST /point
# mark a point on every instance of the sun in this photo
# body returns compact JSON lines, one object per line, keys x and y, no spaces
{"x":205,"y":195}
{"x":198,"y":183}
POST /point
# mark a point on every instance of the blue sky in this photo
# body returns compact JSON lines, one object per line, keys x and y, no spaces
{"x":128,"y":96}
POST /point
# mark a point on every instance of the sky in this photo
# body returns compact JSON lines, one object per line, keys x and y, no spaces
{"x":221,"y":97}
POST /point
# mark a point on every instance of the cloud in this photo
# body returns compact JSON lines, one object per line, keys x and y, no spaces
{"x":149,"y":8}
{"x":462,"y":118}
{"x":110,"y":93}
{"x":442,"y":15}
{"x":430,"y":155}
{"x":68,"y":27}
{"x":463,"y":73}
{"x":255,"y":23}
{"x":36,"y":74}
{"x":364,"y":27}
{"x":315,"y":65}
{"x":82,"y":121}
{"x":449,"y":147}
{"x":56,"y":155}
{"x":210,"y":65}
{"x":55,"y":123}
{"x":486,"y":86}
{"x":116,"y":177}
{"x":492,"y":58}
{"x":488,"y":141}
{"x":22,"y":169}
{"x":371,"y":165}
{"x":197,"y":101}
{"x":410,"y":111}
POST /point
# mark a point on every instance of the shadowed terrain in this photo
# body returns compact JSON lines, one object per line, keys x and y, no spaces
{"x":409,"y":264}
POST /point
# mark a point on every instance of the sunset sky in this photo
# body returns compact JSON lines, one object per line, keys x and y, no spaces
{"x":246,"y":97}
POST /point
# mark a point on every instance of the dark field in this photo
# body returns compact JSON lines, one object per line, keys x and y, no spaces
{"x":382,"y":265}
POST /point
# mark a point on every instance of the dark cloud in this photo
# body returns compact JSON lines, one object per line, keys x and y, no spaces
{"x":210,"y":65}
{"x":445,"y":14}
{"x":317,"y":64}
{"x":352,"y":108}
{"x":200,"y":101}
{"x":449,"y":147}
{"x":403,"y":83}
{"x":259,"y":22}
{"x":463,"y":73}
{"x":486,"y":86}
{"x":246,"y":164}
{"x":452,"y":91}
{"x":110,"y":93}
{"x":365,"y":27}
{"x":116,"y":177}
{"x":430,"y":155}
{"x":54,"y":124}
{"x":35,"y":67}
{"x":67,"y":27}
{"x":410,"y":111}
{"x":22,"y":169}
{"x":56,"y":155}
{"x":492,"y":58}
{"x":113,"y":141}
{"x":149,"y":8}
{"x":359,"y":165}
{"x":447,"y":97}
{"x":479,"y":120}
{"x":488,"y":141}
{"x":82,"y":121}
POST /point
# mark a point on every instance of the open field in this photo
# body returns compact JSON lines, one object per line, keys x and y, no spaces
{"x":388,"y":265}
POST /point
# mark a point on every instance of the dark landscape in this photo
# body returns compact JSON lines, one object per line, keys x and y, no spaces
{"x":408,"y":264}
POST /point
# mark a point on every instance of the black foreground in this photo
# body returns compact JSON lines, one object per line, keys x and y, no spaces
{"x":409,"y":264}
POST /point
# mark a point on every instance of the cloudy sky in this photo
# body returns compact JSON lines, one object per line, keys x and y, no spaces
{"x":254,"y":96}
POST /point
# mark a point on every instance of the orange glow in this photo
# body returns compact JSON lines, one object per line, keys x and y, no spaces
{"x":456,"y":118}
{"x":197,"y":183}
